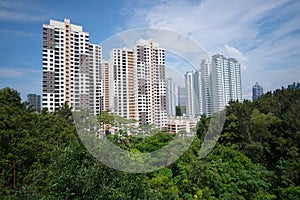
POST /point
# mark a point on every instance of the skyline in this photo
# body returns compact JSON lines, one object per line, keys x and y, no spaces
{"x":265,"y":39}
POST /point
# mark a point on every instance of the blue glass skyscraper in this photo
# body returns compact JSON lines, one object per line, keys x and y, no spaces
{"x":257,"y":90}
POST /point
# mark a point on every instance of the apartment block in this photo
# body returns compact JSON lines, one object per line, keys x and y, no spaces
{"x":257,"y":91}
{"x":122,"y":79}
{"x":72,"y":68}
{"x":34,"y":101}
{"x":151,"y":86}
{"x":94,"y":80}
{"x":226,"y":81}
{"x":65,"y":55}
{"x":210,"y":88}
{"x":181,"y":96}
{"x":137,"y":83}
{"x":171,"y":97}
{"x":206,"y":76}
{"x":190,"y":83}
{"x":130,"y":84}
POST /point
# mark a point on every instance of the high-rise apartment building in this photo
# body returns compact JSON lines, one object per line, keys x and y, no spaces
{"x":131,"y":84}
{"x":235,"y":83}
{"x":171,"y":97}
{"x":257,"y":91}
{"x":199,"y":88}
{"x":105,"y":89}
{"x":122,"y":79}
{"x":191,"y":104}
{"x":181,"y":96}
{"x":94,"y":79}
{"x":71,"y":67}
{"x":137,"y":83}
{"x":211,"y":88}
{"x":65,"y":55}
{"x":226,"y":81}
{"x":220,"y":84}
{"x":151,"y":86}
{"x":195,"y":88}
{"x":34,"y":101}
{"x":206,"y":71}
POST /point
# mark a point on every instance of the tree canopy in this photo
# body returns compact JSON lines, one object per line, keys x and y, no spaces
{"x":256,"y":157}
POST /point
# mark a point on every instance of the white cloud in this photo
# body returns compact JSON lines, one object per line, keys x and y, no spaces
{"x":211,"y":23}
{"x":170,"y":40}
{"x":20,"y":33}
{"x":8,"y":15}
{"x":261,"y":34}
{"x":237,"y":54}
{"x":11,"y":72}
{"x":21,"y":11}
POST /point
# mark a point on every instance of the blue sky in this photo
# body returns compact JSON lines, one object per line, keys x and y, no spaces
{"x":263,"y":35}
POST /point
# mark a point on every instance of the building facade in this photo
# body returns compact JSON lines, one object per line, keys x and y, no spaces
{"x":122,"y":79}
{"x":105,"y":89}
{"x":131,"y":84}
{"x":206,"y":71}
{"x":151,"y":86}
{"x":34,"y":101}
{"x":195,"y":89}
{"x":93,"y":79}
{"x":137,"y":84}
{"x":171,"y":97}
{"x":210,"y":88}
{"x":186,"y":126}
{"x":235,"y":83}
{"x":294,"y":85}
{"x":65,"y":60}
{"x":220,"y":84}
{"x":181,"y":96}
{"x":257,"y":91}
{"x":226,"y":81}
{"x":190,"y":94}
{"x":72,"y":68}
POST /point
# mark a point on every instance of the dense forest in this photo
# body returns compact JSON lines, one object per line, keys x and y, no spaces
{"x":256,"y":157}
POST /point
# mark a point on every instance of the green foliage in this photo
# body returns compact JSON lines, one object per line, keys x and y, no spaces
{"x":180,"y":110}
{"x":257,"y":156}
{"x":27,"y":140}
{"x":153,"y":142}
{"x":104,"y":118}
{"x":202,"y":126}
{"x":267,"y":131}
{"x":290,"y":193}
{"x":230,"y":174}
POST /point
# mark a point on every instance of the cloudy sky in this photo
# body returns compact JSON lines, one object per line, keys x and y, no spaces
{"x":263,"y":35}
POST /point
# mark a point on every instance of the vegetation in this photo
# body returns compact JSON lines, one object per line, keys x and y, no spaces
{"x":257,"y":156}
{"x":180,"y":110}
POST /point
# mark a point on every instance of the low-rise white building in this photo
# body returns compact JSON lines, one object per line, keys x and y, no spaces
{"x":182,"y":124}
